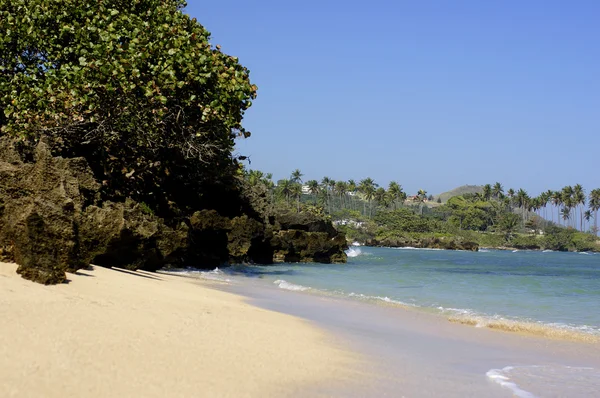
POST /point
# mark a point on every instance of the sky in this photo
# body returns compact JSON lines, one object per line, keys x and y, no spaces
{"x":431,"y":94}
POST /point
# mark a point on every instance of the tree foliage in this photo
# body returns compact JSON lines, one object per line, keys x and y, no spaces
{"x":134,"y":86}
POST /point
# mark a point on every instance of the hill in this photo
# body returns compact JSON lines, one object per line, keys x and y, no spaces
{"x":459,"y":191}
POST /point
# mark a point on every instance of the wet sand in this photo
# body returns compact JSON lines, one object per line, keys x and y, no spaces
{"x":415,"y":354}
{"x":112,"y":333}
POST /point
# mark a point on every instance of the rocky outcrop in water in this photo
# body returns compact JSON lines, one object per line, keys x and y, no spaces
{"x":53,"y":221}
{"x":304,"y":237}
{"x":445,"y":243}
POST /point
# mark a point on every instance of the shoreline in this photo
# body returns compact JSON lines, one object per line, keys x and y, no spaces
{"x":111,"y":332}
{"x":422,"y":354}
{"x":505,"y":325}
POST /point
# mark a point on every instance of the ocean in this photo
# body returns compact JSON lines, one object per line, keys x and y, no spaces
{"x":552,"y":297}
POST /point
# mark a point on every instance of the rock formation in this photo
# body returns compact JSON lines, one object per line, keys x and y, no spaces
{"x":52,"y":220}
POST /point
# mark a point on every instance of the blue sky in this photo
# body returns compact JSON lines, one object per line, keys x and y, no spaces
{"x":432,"y":94}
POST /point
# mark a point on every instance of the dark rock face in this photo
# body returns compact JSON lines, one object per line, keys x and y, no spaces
{"x":122,"y":235}
{"x":40,"y":202}
{"x":49,"y":223}
{"x":304,"y":237}
{"x":446,"y":243}
{"x":300,"y":246}
{"x":52,"y":221}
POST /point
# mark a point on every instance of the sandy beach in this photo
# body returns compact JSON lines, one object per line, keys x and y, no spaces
{"x":119,"y":333}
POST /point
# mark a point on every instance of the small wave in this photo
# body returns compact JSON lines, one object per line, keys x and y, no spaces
{"x":484,"y":251}
{"x":213,"y":275}
{"x":542,"y":380}
{"x":515,"y":251}
{"x":585,"y":253}
{"x":290,"y":286}
{"x":356,"y":244}
{"x":500,"y":376}
{"x":384,"y":299}
{"x":353,"y":252}
{"x":547,"y":251}
{"x":582,"y":333}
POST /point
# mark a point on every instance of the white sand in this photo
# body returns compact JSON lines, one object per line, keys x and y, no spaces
{"x":114,"y":334}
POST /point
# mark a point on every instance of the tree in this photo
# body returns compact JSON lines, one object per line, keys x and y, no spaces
{"x":497,"y":191}
{"x":352,"y":190}
{"x":395,"y":192}
{"x":421,"y":196}
{"x":313,"y":188}
{"x":367,"y":188}
{"x":508,"y":223}
{"x":594,"y":205}
{"x":381,"y":197}
{"x":296,"y":192}
{"x":568,"y":202}
{"x":341,"y":188}
{"x":587,"y":215}
{"x":487,"y":192}
{"x":296,"y":176}
{"x":134,"y":87}
{"x":557,"y":201}
{"x":579,"y":200}
{"x":522,"y":199}
{"x":326,"y":182}
{"x":285,"y":189}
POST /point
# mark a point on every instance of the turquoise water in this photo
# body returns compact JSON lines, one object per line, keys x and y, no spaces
{"x":557,"y":290}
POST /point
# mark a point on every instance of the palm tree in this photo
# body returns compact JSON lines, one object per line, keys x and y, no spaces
{"x":395,"y":192}
{"x":331,"y":187}
{"x":511,"y":195}
{"x":255,"y":177}
{"x":566,"y":214}
{"x":522,"y":199}
{"x":498,"y":191}
{"x":313,"y":188}
{"x":381,"y":197}
{"x":594,"y":205}
{"x":367,"y":188}
{"x":557,"y":201}
{"x":351,"y":189}
{"x":567,"y":198}
{"x":487,"y":192}
{"x":587,"y":215}
{"x":296,"y":192}
{"x":341,"y":188}
{"x":579,"y":200}
{"x":285,"y":188}
{"x":296,"y":176}
{"x":421,"y":196}
{"x":325,"y":183}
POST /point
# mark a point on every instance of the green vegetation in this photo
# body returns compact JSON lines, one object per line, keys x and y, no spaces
{"x":135,"y":88}
{"x":484,"y":215}
{"x":443,"y":197}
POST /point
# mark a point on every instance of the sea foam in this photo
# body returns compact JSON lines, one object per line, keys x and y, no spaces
{"x":213,"y":275}
{"x":501,"y":376}
{"x":353,"y":252}
{"x":290,"y":286}
{"x":547,"y":380}
{"x":549,"y":330}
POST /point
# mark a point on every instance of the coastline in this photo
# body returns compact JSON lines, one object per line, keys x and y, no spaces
{"x":422,"y":354}
{"x":120,"y":333}
{"x":503,"y":248}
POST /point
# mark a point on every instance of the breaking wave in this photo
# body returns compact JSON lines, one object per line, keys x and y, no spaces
{"x":553,"y":380}
{"x":290,"y":286}
{"x":582,"y":333}
{"x":213,"y":275}
{"x":354,"y":252}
